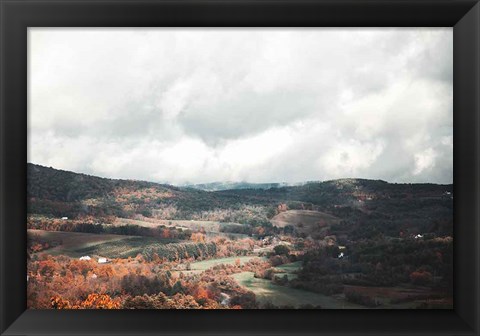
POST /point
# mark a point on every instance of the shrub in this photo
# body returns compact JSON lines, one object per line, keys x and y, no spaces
{"x":421,"y":278}
{"x":245,"y":300}
{"x":281,"y":250}
{"x":361,"y":299}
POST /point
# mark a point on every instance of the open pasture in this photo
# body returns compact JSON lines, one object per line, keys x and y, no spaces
{"x":77,"y":244}
{"x":211,"y":228}
{"x":206,"y":264}
{"x":268,"y":292}
{"x":71,"y":241}
{"x":305,"y":221}
{"x":303,"y":217}
{"x":130,"y":247}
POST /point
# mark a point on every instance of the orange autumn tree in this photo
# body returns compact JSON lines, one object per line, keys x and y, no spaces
{"x":93,"y":301}
{"x":198,"y":237}
{"x":99,"y":301}
{"x":47,"y":267}
{"x":166,"y":233}
{"x":58,"y":302}
{"x":201,"y":293}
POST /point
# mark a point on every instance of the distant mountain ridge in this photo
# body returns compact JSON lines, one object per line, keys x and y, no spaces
{"x":218,"y":186}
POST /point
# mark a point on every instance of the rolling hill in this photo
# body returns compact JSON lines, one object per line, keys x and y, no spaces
{"x":357,"y":207}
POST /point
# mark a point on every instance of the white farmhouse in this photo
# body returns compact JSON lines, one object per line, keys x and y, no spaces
{"x":85,"y":258}
{"x":102,"y":260}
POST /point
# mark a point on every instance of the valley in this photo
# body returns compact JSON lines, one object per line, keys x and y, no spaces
{"x":341,"y":244}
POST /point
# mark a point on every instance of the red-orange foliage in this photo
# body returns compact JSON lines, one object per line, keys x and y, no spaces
{"x":166,"y":233}
{"x":105,"y":271}
{"x":198,"y":237}
{"x":201,"y":293}
{"x":58,"y":303}
{"x":47,"y":267}
{"x":99,"y":301}
{"x":81,"y":266}
{"x":60,"y":282}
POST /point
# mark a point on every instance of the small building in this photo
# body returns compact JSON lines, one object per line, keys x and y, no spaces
{"x":85,"y":258}
{"x":418,"y":236}
{"x":341,"y":255}
{"x":64,"y":218}
{"x":102,"y":260}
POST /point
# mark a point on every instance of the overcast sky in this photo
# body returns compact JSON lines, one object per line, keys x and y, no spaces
{"x":256,"y":105}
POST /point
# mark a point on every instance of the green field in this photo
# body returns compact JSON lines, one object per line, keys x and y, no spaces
{"x":289,"y":269}
{"x":206,"y":264}
{"x":211,"y":228}
{"x":267,"y":292}
{"x":77,"y":244}
{"x":125,"y":248}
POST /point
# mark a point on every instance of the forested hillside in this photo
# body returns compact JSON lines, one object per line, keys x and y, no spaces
{"x":365,"y":207}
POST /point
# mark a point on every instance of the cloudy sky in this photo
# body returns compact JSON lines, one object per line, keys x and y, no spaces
{"x":258,"y":105}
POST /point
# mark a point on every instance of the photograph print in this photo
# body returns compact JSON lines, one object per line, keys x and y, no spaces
{"x":240,"y":168}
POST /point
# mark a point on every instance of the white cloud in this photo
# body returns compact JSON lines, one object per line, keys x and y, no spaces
{"x":174,"y":99}
{"x":350,"y":158}
{"x":424,"y":161}
{"x":199,"y":105}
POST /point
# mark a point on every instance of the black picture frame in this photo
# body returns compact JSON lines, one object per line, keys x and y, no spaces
{"x":17,"y":15}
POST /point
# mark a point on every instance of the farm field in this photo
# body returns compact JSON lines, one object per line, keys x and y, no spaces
{"x":206,"y":264}
{"x":305,"y":221}
{"x":267,"y":292}
{"x":200,"y":266}
{"x":305,"y":217}
{"x":129,"y":247}
{"x":211,"y":228}
{"x":71,"y":241}
{"x":77,"y":244}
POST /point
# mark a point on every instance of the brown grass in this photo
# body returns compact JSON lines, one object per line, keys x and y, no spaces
{"x":305,"y":221}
